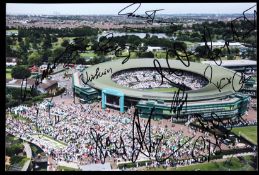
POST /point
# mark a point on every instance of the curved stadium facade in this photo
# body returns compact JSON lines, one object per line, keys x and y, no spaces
{"x":225,"y":103}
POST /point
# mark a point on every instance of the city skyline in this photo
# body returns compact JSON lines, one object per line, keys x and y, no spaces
{"x":114,"y":8}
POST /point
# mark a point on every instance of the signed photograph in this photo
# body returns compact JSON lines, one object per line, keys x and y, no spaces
{"x":131,"y":87}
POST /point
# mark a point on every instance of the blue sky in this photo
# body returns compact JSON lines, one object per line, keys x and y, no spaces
{"x":114,"y":8}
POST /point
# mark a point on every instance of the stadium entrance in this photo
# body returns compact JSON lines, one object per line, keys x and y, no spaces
{"x":113,"y":98}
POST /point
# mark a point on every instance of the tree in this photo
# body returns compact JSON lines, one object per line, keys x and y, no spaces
{"x":230,"y":57}
{"x":147,"y":36}
{"x":46,"y":54}
{"x":201,"y":51}
{"x":65,"y":43}
{"x":34,"y":59}
{"x":81,"y":61}
{"x":47,"y":43}
{"x":57,"y":52}
{"x":147,"y":55}
{"x":251,"y":54}
{"x":20,"y":72}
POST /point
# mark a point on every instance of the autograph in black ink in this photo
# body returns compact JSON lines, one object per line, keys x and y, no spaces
{"x":150,"y":17}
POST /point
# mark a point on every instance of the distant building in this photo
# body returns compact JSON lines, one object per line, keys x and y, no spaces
{"x":11,"y":61}
{"x":10,"y":64}
{"x":221,"y":44}
{"x":154,"y":49}
{"x":10,"y":33}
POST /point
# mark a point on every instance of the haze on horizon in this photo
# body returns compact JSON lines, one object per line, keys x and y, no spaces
{"x":114,"y":8}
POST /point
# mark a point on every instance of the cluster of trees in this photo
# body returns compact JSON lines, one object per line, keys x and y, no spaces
{"x":65,"y":32}
{"x":134,"y":42}
{"x":30,"y":51}
{"x":204,"y":52}
{"x":33,"y":46}
{"x":168,"y":30}
{"x":236,"y":31}
{"x":146,"y":55}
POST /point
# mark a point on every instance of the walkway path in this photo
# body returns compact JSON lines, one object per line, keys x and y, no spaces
{"x":28,"y":151}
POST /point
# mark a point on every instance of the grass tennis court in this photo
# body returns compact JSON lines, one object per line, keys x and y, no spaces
{"x":57,"y":144}
{"x":234,"y":165}
{"x":249,"y":132}
{"x":64,"y":168}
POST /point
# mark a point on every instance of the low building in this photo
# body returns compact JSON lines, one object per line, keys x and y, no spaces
{"x":218,"y":44}
{"x":154,"y":49}
{"x":11,"y":61}
{"x":47,"y":86}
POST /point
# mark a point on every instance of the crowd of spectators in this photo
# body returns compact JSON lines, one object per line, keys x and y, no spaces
{"x":148,"y":78}
{"x":74,"y":129}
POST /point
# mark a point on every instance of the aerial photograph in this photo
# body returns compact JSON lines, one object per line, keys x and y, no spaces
{"x":131,"y":87}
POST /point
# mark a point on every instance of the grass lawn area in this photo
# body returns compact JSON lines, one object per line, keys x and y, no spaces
{"x":8,"y":73}
{"x":160,"y":54}
{"x":173,"y":89}
{"x":57,"y":143}
{"x":249,"y":132}
{"x":8,"y":76}
{"x":64,"y":168}
{"x":60,"y":40}
{"x":88,"y":54}
{"x":234,"y":165}
{"x":20,"y":160}
{"x":13,"y":30}
{"x":189,"y":44}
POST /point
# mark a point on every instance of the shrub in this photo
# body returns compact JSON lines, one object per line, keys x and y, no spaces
{"x":14,"y":149}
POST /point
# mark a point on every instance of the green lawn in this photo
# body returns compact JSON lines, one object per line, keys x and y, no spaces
{"x":64,"y":168}
{"x":233,"y":165}
{"x":13,"y":30}
{"x":20,"y":160}
{"x":8,"y":76}
{"x":88,"y":54}
{"x":8,"y":73}
{"x":56,"y":143}
{"x":249,"y":132}
{"x":160,"y":54}
{"x":189,"y":44}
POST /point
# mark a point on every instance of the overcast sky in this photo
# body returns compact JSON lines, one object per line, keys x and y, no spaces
{"x":114,"y":8}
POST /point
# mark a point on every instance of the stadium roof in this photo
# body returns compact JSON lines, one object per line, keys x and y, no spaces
{"x":210,"y":91}
{"x":231,"y":63}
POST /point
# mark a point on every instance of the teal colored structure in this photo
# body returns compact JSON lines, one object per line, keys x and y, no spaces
{"x":115,"y":93}
{"x":85,"y":92}
{"x":235,"y":107}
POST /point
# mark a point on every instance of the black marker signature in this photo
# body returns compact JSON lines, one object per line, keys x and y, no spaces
{"x":150,"y":14}
{"x":177,"y":103}
{"x":95,"y":76}
{"x":218,"y":84}
{"x":104,"y":147}
{"x":251,"y":26}
{"x":243,"y":79}
{"x":159,"y":69}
